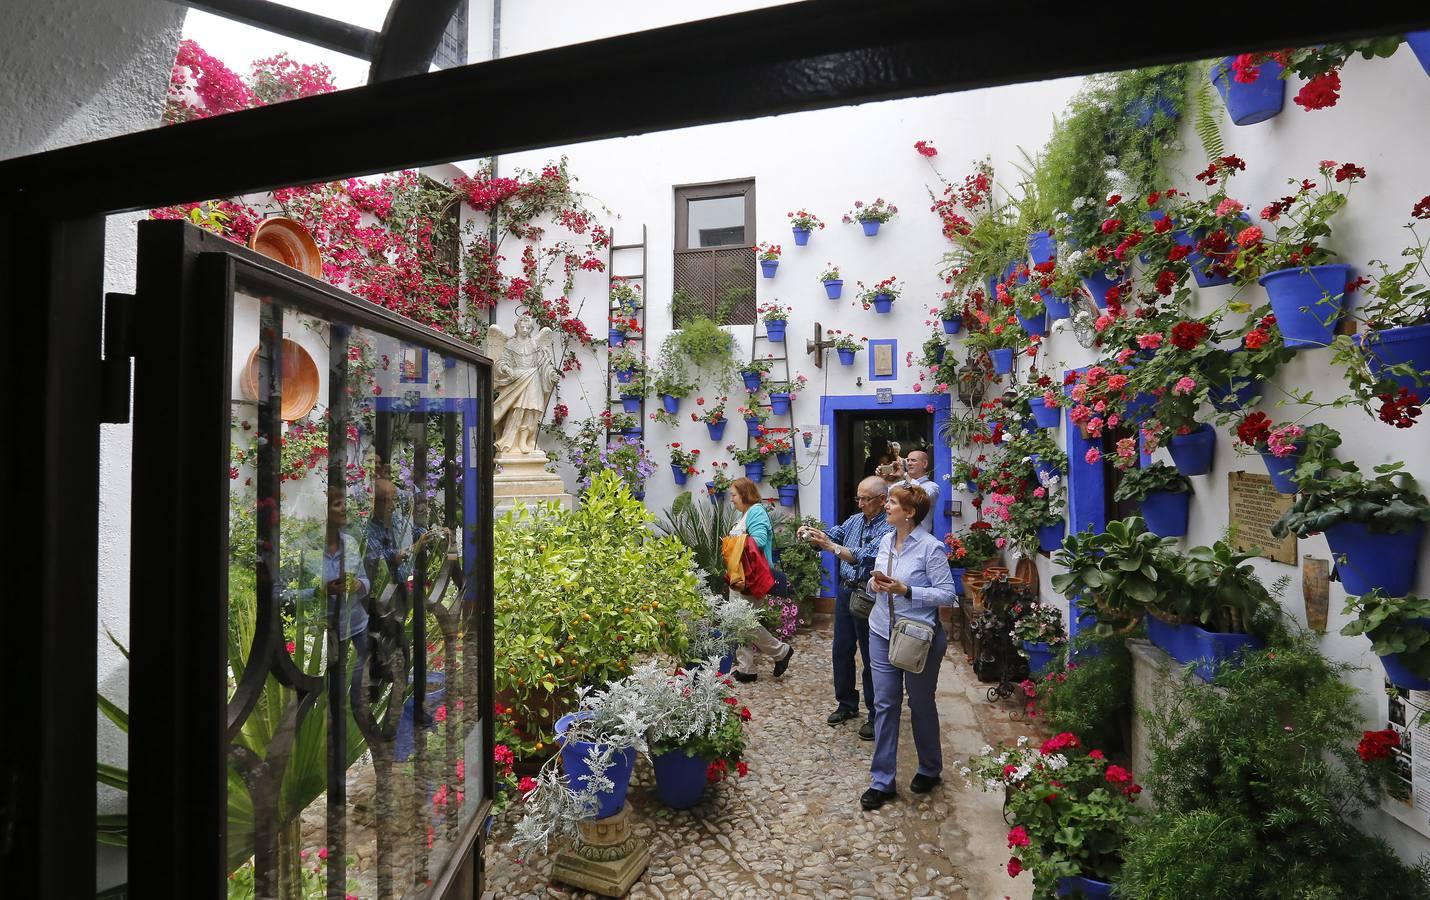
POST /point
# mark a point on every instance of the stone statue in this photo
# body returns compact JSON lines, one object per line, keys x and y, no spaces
{"x":526,"y":374}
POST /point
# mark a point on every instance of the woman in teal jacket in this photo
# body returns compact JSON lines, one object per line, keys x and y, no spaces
{"x":755,"y":522}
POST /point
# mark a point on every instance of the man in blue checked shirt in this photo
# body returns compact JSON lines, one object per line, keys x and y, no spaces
{"x":854,"y":542}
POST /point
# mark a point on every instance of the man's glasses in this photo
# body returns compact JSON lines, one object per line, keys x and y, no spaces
{"x":859,"y":499}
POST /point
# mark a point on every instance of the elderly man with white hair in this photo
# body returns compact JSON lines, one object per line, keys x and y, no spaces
{"x":854,"y":542}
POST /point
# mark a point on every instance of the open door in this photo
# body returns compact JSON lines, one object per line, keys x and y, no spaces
{"x":311,"y":608}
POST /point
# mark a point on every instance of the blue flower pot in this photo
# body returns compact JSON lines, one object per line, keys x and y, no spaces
{"x":1002,"y":360}
{"x":1193,"y":452}
{"x":768,"y":267}
{"x":630,"y":404}
{"x":951,"y":326}
{"x":1042,"y":247}
{"x":1399,"y":346}
{"x":573,"y":761}
{"x":1237,"y":393}
{"x":631,"y":434}
{"x":1058,"y":307}
{"x":1040,"y":656}
{"x":752,"y":425}
{"x":1248,"y":104}
{"x":1050,"y":537}
{"x":405,"y":741}
{"x":1200,"y":265}
{"x":1042,"y":414}
{"x":1282,"y":470}
{"x":971,"y":487}
{"x":1044,"y":470}
{"x":1419,"y":42}
{"x":716,"y":497}
{"x":1176,"y":640}
{"x":617,"y":337}
{"x":846,"y":357}
{"x":871,"y":228}
{"x":1077,"y":886}
{"x":1216,"y":649}
{"x":789,"y":494}
{"x":883,"y":303}
{"x":755,"y":471}
{"x":753,"y":380}
{"x":1145,"y":109}
{"x":716,"y":429}
{"x":1098,"y":284}
{"x":624,"y":376}
{"x":671,"y":404}
{"x":679,"y":779}
{"x":1375,"y":559}
{"x":1037,"y":325}
{"x":681,"y":476}
{"x":801,"y":236}
{"x":1307,"y":302}
{"x":939,"y":353}
{"x":779,"y":403}
{"x":775,"y":331}
{"x":1166,"y":512}
{"x":833,"y":288}
{"x":785,"y":458}
{"x":1399,"y":674}
{"x":958,"y":573}
{"x":727,"y":662}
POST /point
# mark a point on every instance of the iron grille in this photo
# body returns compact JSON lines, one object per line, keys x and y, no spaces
{"x":717,"y":283}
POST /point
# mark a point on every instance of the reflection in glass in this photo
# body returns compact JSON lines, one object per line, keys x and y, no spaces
{"x":349,"y":518}
{"x":717,"y":222}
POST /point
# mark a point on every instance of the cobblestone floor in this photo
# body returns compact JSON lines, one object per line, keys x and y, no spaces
{"x":794,"y":828}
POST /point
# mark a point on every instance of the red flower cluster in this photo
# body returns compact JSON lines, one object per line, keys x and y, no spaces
{"x":1059,"y":742}
{"x":925,"y":149}
{"x":1187,"y":335}
{"x":1400,"y":409}
{"x":1254,"y":429}
{"x":1321,"y":92}
{"x":1376,"y":745}
{"x":1018,"y":837}
{"x":1422,"y":208}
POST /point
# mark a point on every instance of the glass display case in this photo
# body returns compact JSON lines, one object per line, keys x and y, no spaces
{"x":349,"y":637}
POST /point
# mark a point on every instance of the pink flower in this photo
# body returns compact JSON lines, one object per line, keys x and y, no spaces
{"x":1116,"y":382}
{"x":1124,"y":355}
{"x":1093,"y":456}
{"x":1229,"y":207}
{"x":1040,"y":493}
{"x":1150,"y":341}
{"x":1001,"y":542}
{"x":1249,"y":236}
{"x":1184,"y":385}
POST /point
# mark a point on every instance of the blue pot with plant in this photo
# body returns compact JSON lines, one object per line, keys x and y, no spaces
{"x":1167,"y":512}
{"x":1199,"y":264}
{"x":617,"y":337}
{"x":624,"y":376}
{"x":716,"y":497}
{"x":1078,"y":886}
{"x":1369,"y":560}
{"x":833,"y":288}
{"x":752,"y":381}
{"x":1282,"y":470}
{"x":1145,"y":109}
{"x":789,"y":494}
{"x":681,"y":473}
{"x":1058,"y":307}
{"x":871,"y":227}
{"x":775,"y":330}
{"x":752,"y":424}
{"x":1396,"y":671}
{"x":883,"y":303}
{"x":573,"y":761}
{"x":951,"y":326}
{"x":768,"y":267}
{"x":716,"y":429}
{"x":1042,"y":247}
{"x":633,"y":433}
{"x":846,"y":357}
{"x":1164,"y":494}
{"x":1175,"y":639}
{"x":1044,"y":416}
{"x":779,"y":403}
{"x":1045,"y":471}
{"x":1002,"y":360}
{"x":1248,"y":104}
{"x":1050,"y":537}
{"x":1193,"y":452}
{"x":1409,"y":346}
{"x":1215,"y":649}
{"x":631,"y":404}
{"x":785,"y":457}
{"x":1098,"y":284}
{"x":1040,"y":656}
{"x":1035,"y":325}
{"x":680,"y":779}
{"x":1307,"y":302}
{"x":755,"y":471}
{"x":670,"y":403}
{"x":801,"y":236}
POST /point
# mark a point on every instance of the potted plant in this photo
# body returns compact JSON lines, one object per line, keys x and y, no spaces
{"x":633,"y":392}
{"x":871,"y":215}
{"x":1164,"y":494}
{"x":1373,"y":525}
{"x":769,"y":257}
{"x":752,"y":458}
{"x":621,"y":327}
{"x":1223,"y":604}
{"x":802,"y":222}
{"x":1319,"y":66}
{"x":1100,"y":397}
{"x":1282,"y":446}
{"x":1395,"y":350}
{"x":934,"y":351}
{"x":713,"y":416}
{"x":1039,"y":630}
{"x":626,"y":363}
{"x":1026,"y":295}
{"x":846,"y":345}
{"x":718,"y":487}
{"x":1399,"y":633}
{"x":683,"y":463}
{"x":1072,"y":811}
{"x":699,"y":735}
{"x":755,"y":416}
{"x":754,"y":372}
{"x":672,"y":387}
{"x":731,"y":622}
{"x":1001,"y":339}
{"x":786,"y":480}
{"x":782,"y":391}
{"x":1252,"y":93}
{"x":880,"y":296}
{"x":1307,"y":290}
{"x":949,"y":312}
{"x":833,"y":285}
{"x":1123,"y":571}
{"x":775,"y":317}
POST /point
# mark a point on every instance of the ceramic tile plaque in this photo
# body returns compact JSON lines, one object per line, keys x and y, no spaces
{"x":1253,"y":507}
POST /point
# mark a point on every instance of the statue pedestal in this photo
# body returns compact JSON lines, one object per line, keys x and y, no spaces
{"x":523,"y":477}
{"x":606,"y":859}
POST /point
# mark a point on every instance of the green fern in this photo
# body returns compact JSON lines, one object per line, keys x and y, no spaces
{"x":1207,"y":128}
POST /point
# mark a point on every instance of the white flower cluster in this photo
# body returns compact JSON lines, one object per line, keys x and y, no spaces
{"x":1079,"y":202}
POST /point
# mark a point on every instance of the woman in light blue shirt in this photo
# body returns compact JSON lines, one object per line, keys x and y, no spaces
{"x":911,"y":575}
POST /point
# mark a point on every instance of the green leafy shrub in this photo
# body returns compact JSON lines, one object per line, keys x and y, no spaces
{"x":1393,"y":626}
{"x":1257,"y":783}
{"x":580,"y":595}
{"x":801,"y":562}
{"x":1090,"y":694}
{"x":1136,"y":484}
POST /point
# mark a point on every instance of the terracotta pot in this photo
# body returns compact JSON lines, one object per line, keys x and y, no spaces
{"x":283,"y":239}
{"x":300,"y":380}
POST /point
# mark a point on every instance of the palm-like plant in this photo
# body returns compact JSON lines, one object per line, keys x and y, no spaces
{"x":700,"y":526}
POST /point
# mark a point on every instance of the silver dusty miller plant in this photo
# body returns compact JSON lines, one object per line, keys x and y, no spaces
{"x":730,"y":623}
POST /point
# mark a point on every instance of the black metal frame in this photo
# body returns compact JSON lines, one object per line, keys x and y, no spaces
{"x":803,"y":56}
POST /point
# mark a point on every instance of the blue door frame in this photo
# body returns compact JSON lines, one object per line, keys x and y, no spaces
{"x":829,"y":474}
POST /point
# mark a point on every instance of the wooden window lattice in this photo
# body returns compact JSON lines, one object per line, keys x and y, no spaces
{"x":707,"y":277}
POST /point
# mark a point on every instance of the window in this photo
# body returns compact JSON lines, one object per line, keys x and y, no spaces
{"x":714,"y":253}
{"x":452,"y":50}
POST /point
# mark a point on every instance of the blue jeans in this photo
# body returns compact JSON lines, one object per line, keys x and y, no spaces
{"x":850,"y":630}
{"x":890,"y":687}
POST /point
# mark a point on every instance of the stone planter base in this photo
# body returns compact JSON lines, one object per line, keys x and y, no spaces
{"x":606,"y":859}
